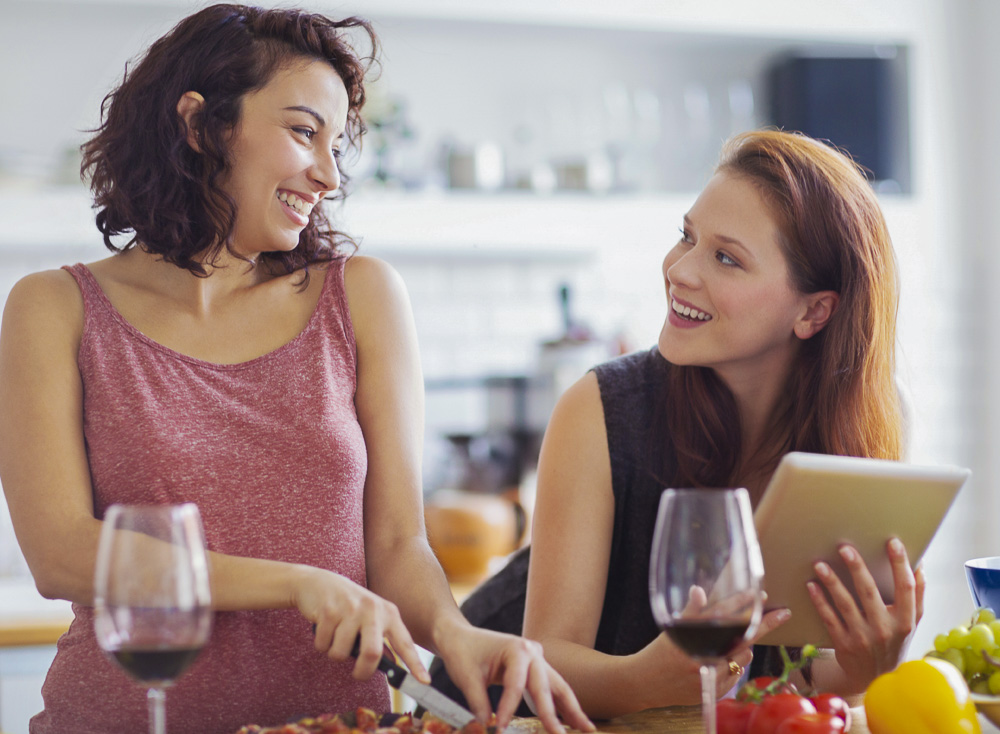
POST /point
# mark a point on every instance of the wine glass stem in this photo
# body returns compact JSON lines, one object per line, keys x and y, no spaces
{"x":157,"y":699}
{"x":708,"y":698}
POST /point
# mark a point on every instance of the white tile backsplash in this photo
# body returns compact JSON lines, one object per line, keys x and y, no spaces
{"x":483,"y":316}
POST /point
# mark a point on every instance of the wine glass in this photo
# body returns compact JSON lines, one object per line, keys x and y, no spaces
{"x":152,"y":600}
{"x":706,"y":578}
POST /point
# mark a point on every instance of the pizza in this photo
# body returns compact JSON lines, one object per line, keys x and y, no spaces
{"x":366,"y":721}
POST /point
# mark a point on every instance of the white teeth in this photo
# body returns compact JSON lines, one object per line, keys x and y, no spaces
{"x":688,"y":312}
{"x":302,"y":207}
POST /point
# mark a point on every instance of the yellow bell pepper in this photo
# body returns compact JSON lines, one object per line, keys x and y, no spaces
{"x":921,"y":697}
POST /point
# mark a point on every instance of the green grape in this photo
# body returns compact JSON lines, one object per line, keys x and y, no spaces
{"x":983,"y":615}
{"x":981,"y":638}
{"x":941,"y":643}
{"x":994,"y":683}
{"x":980,"y":685}
{"x":974,"y":662}
{"x":995,"y":626}
{"x":958,"y":636}
{"x":955,"y":657}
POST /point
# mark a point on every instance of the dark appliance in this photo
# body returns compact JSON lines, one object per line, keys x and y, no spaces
{"x":858,"y":103}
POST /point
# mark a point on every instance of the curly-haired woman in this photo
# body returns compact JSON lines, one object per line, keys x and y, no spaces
{"x":234,"y":353}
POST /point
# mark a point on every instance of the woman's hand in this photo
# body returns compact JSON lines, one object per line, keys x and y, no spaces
{"x":342,"y":611}
{"x":872,"y":638}
{"x":677,"y":677}
{"x":477,"y":658}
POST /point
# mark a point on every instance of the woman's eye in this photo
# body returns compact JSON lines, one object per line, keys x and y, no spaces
{"x":306,"y":132}
{"x":725,"y":259}
{"x":685,"y":236}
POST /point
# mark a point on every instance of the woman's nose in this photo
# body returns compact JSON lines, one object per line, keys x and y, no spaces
{"x":682,"y":268}
{"x":326,"y":173}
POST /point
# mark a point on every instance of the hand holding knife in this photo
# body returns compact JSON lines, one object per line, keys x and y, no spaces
{"x":437,"y":703}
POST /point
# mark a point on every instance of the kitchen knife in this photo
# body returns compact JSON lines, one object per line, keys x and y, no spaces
{"x":430,"y":698}
{"x":437,"y":703}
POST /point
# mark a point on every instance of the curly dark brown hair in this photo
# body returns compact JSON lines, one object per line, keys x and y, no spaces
{"x":150,"y":184}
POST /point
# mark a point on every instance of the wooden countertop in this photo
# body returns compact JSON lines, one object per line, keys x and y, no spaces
{"x":674,"y":720}
{"x":19,"y":632}
{"x":26,"y":618}
{"x":685,"y":720}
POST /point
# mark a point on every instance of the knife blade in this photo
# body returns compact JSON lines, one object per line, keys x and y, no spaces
{"x":437,"y":703}
{"x":430,"y":698}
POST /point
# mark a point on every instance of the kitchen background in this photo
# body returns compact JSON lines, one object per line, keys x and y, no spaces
{"x":527,"y":170}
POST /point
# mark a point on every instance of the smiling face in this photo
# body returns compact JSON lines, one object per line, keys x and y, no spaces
{"x":284,"y":154}
{"x":731,"y":304}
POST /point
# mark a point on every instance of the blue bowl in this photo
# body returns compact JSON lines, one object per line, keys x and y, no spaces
{"x":983,"y":575}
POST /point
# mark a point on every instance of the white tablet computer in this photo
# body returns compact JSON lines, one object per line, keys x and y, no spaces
{"x":814,"y":503}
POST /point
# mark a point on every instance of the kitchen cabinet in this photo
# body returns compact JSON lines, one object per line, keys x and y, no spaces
{"x":22,"y":672}
{"x":29,"y":628}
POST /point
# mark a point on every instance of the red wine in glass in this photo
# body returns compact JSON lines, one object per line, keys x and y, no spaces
{"x":152,"y":600}
{"x":706,"y":578}
{"x":710,"y":639}
{"x":161,"y":665}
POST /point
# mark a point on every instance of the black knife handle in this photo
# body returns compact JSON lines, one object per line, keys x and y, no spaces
{"x":393,"y":673}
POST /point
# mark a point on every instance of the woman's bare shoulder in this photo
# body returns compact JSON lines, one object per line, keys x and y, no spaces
{"x":44,"y":293}
{"x":582,"y":401}
{"x":375,"y":292}
{"x":42,"y":321}
{"x":363,"y":272}
{"x":575,"y":439}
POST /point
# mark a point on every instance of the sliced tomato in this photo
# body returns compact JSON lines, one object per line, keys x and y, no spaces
{"x":365,"y":719}
{"x":436,"y":726}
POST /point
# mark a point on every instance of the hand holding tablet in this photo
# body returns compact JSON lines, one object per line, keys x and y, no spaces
{"x":816,"y":503}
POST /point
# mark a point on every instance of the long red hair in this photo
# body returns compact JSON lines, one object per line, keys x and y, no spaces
{"x":842,"y":397}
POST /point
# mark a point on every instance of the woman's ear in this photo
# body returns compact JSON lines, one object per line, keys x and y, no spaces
{"x":189,"y":106}
{"x":820,"y":306}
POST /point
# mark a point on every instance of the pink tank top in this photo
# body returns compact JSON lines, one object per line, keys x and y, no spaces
{"x":272,"y":453}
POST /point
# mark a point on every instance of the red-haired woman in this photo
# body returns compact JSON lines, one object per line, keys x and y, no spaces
{"x":779,"y":336}
{"x":231,"y":353}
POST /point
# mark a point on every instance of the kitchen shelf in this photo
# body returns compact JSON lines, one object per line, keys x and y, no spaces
{"x":474,"y":224}
{"x":510,"y":225}
{"x":505,"y":225}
